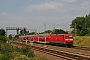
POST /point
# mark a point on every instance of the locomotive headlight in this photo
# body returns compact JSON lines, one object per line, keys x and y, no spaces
{"x":71,"y":39}
{"x":66,"y":39}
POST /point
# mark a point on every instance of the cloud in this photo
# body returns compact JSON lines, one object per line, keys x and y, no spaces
{"x":50,"y":12}
{"x":46,"y":6}
{"x":85,"y":5}
{"x":10,"y":20}
{"x":61,"y":6}
{"x":2,"y":14}
{"x":69,"y":0}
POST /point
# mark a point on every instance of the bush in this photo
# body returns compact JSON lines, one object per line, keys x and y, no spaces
{"x":3,"y":39}
{"x":44,"y":58}
{"x":6,"y":48}
{"x":21,"y":57}
{"x":3,"y":57}
{"x":14,"y":54}
{"x":26,"y":51}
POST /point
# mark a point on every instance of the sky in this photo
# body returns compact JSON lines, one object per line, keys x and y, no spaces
{"x":37,"y":14}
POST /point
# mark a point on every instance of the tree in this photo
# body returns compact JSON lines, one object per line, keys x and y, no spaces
{"x":87,"y":19}
{"x":84,"y":32}
{"x":32,"y":33}
{"x":3,"y":39}
{"x":59,"y":31}
{"x":24,"y":32}
{"x":55,"y":31}
{"x":2,"y":32}
{"x":81,"y":23}
{"x":88,"y":34}
{"x":47,"y":31}
{"x":10,"y":36}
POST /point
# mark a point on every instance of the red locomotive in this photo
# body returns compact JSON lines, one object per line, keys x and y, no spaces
{"x":60,"y":39}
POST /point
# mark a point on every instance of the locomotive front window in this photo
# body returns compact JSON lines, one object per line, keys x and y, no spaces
{"x":67,"y":37}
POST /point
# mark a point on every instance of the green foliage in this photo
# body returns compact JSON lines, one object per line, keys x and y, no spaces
{"x":17,"y":49}
{"x":59,"y":31}
{"x":84,"y":32}
{"x":44,"y":58}
{"x":82,"y":25}
{"x":10,"y":36}
{"x":32,"y":33}
{"x":2,"y":32}
{"x":5,"y":48}
{"x":14,"y":54}
{"x":55,"y":31}
{"x":88,"y":34}
{"x":21,"y":57}
{"x":47,"y":31}
{"x":3,"y":57}
{"x":3,"y":38}
{"x":24,"y":32}
{"x":8,"y":52}
{"x":26,"y":51}
{"x":82,"y":41}
{"x":15,"y":38}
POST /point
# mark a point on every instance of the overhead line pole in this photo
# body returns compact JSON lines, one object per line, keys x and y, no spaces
{"x":44,"y":27}
{"x":75,"y":31}
{"x":45,"y":36}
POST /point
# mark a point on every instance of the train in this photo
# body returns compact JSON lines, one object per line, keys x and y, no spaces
{"x":54,"y":39}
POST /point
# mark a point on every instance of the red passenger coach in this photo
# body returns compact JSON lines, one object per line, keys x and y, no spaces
{"x":60,"y":39}
{"x":35,"y":38}
{"x":44,"y":38}
{"x":22,"y":38}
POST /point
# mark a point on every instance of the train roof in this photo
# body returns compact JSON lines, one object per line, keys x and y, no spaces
{"x":46,"y":35}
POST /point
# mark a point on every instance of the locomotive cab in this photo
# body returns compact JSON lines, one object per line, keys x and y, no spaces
{"x":69,"y":40}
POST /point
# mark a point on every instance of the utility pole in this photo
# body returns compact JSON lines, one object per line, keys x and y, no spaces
{"x":45,"y":36}
{"x":75,"y":31}
{"x":85,"y":23}
{"x":44,"y":27}
{"x":54,"y":29}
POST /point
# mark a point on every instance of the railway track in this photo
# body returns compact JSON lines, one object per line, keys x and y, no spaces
{"x":65,"y":54}
{"x":82,"y":48}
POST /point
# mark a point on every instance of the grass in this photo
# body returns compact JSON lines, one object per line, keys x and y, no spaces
{"x":82,"y":41}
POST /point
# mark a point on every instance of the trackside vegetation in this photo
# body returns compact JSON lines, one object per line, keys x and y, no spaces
{"x":3,"y":38}
{"x":9,"y":52}
{"x":82,"y":41}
